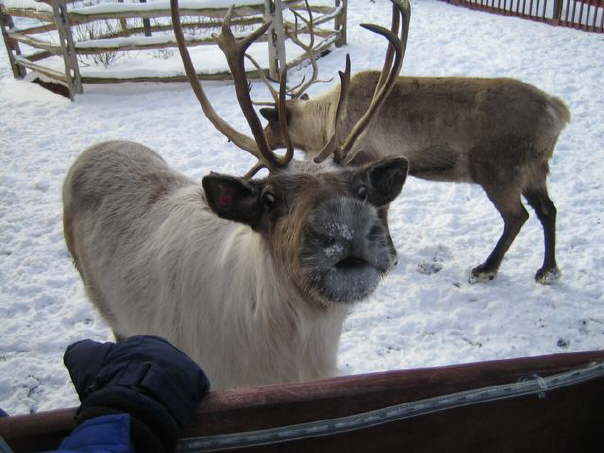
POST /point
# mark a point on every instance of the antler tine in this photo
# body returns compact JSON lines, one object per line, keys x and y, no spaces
{"x":234,"y":51}
{"x":299,"y":90}
{"x":332,"y":145}
{"x":266,"y":82}
{"x":255,"y":169}
{"x":399,"y":46}
{"x":390,"y":52}
{"x":241,"y":140}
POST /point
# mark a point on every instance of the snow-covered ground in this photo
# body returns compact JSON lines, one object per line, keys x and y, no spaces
{"x":414,"y":319}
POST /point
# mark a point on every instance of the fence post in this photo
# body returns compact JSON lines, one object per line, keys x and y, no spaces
{"x":557,"y":13}
{"x":146,"y":23}
{"x":340,"y":23}
{"x":72,"y":70}
{"x":273,"y":11}
{"x":6,"y":23}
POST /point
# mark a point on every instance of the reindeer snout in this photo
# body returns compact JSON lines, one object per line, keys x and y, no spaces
{"x":347,"y":233}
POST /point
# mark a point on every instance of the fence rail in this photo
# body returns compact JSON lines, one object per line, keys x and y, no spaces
{"x":61,"y":18}
{"x":587,"y":15}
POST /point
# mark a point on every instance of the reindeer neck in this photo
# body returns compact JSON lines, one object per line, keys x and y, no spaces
{"x":318,"y":124}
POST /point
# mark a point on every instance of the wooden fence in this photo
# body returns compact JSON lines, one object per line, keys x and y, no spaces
{"x":585,"y":15}
{"x":57,"y":20}
{"x":394,"y":411}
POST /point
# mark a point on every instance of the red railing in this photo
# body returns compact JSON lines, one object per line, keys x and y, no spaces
{"x":587,"y":15}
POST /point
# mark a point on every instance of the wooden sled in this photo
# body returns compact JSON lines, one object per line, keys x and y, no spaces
{"x":544,"y":404}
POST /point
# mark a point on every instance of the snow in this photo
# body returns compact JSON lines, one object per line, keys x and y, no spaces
{"x":27,"y":4}
{"x":105,"y":8}
{"x":425,"y":313}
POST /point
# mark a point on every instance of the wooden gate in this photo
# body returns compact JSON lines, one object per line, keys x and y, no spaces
{"x":59,"y":21}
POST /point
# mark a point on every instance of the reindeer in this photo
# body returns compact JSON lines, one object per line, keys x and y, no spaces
{"x":252,"y":277}
{"x":497,"y":133}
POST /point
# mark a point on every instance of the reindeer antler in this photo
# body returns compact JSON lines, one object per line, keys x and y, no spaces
{"x":234,"y":51}
{"x":390,"y":70}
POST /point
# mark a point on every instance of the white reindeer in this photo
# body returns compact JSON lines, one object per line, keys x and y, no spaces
{"x":251,"y":277}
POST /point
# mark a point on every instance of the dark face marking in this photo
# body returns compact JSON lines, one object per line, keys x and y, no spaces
{"x":321,"y":223}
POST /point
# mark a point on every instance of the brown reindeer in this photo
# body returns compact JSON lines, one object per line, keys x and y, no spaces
{"x":498,"y":133}
{"x":252,"y":278}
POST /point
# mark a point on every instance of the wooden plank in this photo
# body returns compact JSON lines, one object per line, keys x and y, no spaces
{"x":37,"y":56}
{"x":241,"y":22}
{"x":136,"y":44}
{"x":134,"y":10}
{"x":563,"y":421}
{"x":53,"y":74}
{"x":37,"y":43}
{"x":44,"y":16}
{"x":225,"y":75}
{"x":36,"y":29}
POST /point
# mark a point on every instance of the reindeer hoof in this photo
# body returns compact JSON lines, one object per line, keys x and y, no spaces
{"x":481,"y":274}
{"x":548,"y":276}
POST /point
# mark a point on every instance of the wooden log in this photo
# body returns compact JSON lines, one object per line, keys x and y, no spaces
{"x":98,"y":46}
{"x":242,"y":22}
{"x":37,"y":56}
{"x":157,"y":9}
{"x":322,"y":9}
{"x":44,"y":16}
{"x":36,"y":29}
{"x":217,"y":76}
{"x":36,"y":43}
{"x":56,"y":75}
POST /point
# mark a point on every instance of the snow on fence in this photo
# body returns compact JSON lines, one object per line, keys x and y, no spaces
{"x":586,"y":15}
{"x":115,"y":26}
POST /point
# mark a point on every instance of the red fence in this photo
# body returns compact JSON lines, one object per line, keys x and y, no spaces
{"x":586,"y":15}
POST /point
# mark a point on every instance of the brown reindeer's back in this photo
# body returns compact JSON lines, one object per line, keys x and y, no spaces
{"x":446,"y":124}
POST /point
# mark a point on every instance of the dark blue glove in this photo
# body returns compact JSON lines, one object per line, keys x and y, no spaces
{"x":144,"y":376}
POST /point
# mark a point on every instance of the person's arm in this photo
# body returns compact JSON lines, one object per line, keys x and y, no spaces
{"x":135,"y":395}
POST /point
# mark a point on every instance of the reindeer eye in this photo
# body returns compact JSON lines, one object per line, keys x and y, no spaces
{"x":268,"y":199}
{"x":362,"y":192}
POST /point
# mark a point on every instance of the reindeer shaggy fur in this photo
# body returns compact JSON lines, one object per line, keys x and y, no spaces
{"x":253,"y":287}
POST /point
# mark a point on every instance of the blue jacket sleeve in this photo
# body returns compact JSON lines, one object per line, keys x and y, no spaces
{"x":105,"y":434}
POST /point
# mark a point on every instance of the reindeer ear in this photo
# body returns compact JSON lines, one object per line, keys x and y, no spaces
{"x":270,"y":114}
{"x":304,"y":97}
{"x":233,"y":198}
{"x":385,"y":179}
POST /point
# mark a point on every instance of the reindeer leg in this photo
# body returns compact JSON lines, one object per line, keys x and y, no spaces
{"x":546,"y":212}
{"x":507,"y":201}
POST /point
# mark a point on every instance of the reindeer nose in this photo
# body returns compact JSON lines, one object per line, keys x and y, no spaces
{"x":351,"y":262}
